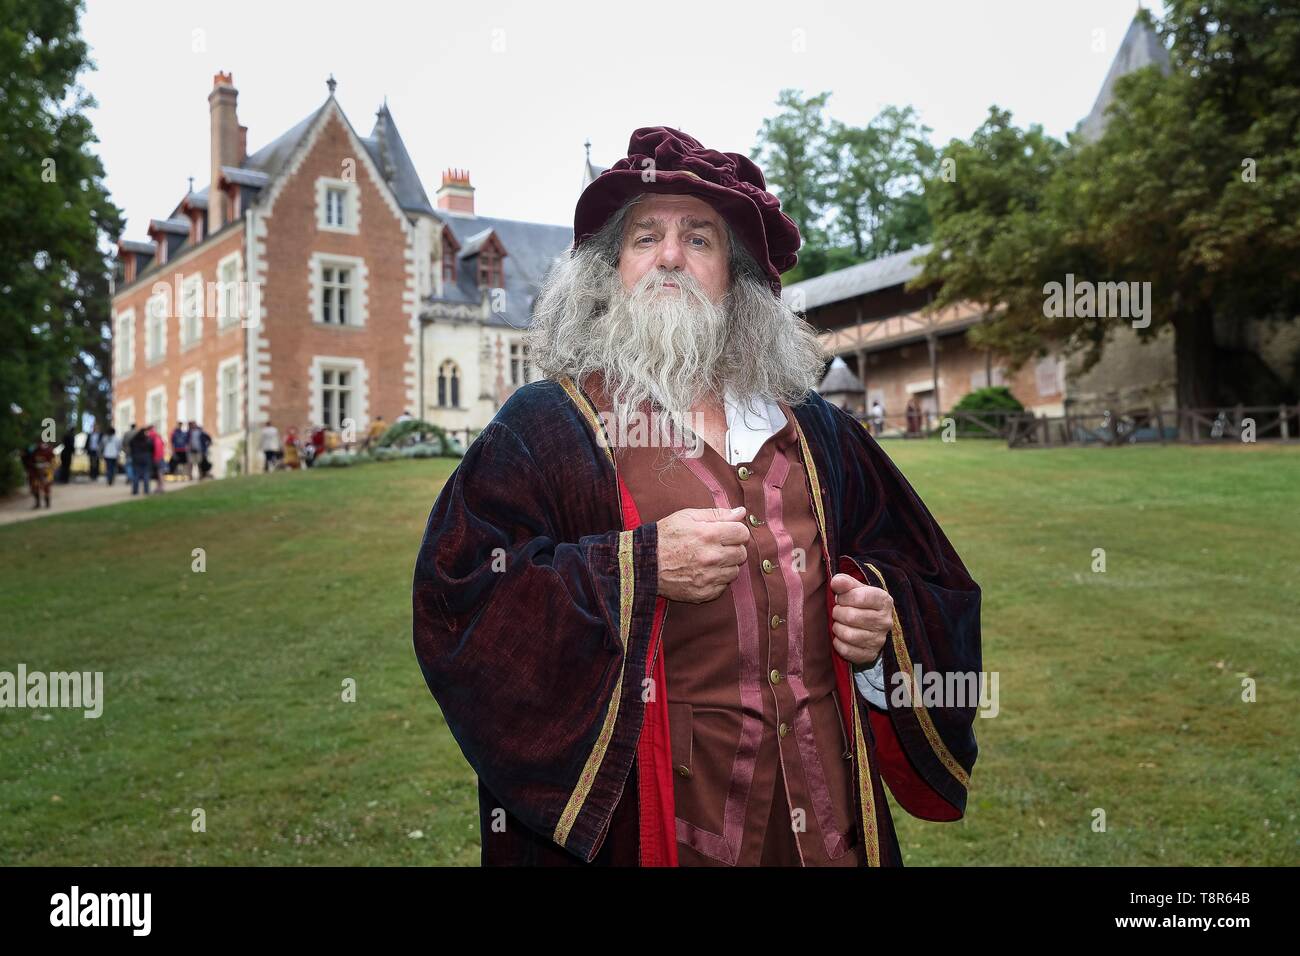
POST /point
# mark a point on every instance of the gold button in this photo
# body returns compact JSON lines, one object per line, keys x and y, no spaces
{"x":768,"y":566}
{"x":743,"y":472}
{"x":774,"y":676}
{"x":755,"y":520}
{"x":684,"y":770}
{"x":783,"y":729}
{"x":777,"y":620}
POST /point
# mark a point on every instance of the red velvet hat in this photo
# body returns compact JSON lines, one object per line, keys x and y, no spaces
{"x":664,"y":160}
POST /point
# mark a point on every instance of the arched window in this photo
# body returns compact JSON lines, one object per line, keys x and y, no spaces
{"x":448,"y":385}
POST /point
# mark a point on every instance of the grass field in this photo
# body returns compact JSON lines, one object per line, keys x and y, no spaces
{"x":1118,"y":690}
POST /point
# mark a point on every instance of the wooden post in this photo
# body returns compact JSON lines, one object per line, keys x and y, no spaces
{"x":1283,"y":422}
{"x":932,"y":342}
{"x":862,"y":375}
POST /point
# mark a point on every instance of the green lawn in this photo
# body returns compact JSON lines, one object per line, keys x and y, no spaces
{"x":1118,"y":690}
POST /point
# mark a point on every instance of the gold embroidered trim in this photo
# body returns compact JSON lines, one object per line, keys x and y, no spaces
{"x":597,"y":427}
{"x":811,"y":468}
{"x":626,"y":584}
{"x":922,"y":715}
{"x":866,"y":794}
{"x":872,"y":838}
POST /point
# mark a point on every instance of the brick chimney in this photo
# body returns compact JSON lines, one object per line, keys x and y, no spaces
{"x":227,"y":145}
{"x":456,"y":194}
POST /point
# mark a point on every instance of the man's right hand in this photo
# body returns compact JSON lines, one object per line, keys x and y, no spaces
{"x":701,"y":551}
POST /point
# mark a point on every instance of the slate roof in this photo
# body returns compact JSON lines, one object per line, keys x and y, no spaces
{"x":859,"y":279}
{"x":1140,"y":47}
{"x":180,"y":227}
{"x":244,"y":177}
{"x":270,"y":159}
{"x":385,"y":146}
{"x":840,"y":379}
{"x":530,"y":247}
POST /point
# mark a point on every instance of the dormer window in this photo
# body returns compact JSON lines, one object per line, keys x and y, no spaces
{"x":450,"y":251}
{"x":485,"y":247}
{"x":490,"y":270}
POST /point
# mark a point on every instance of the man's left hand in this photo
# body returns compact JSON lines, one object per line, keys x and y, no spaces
{"x":861,"y":619}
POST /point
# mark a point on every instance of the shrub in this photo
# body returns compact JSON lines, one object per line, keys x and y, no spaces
{"x":412,"y":431}
{"x":423,"y":450}
{"x":997,"y":399}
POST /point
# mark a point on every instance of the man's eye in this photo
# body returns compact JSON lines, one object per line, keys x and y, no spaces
{"x":703,"y":242}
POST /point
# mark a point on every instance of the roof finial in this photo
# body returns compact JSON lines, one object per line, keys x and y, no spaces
{"x":331,"y":83}
{"x":588,"y":145}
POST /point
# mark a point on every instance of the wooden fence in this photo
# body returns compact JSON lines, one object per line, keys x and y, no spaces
{"x":1194,"y":426}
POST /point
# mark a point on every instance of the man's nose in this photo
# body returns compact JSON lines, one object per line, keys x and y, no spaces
{"x":671,"y":255}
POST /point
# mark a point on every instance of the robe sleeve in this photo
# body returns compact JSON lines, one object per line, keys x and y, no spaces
{"x":535,"y":648}
{"x":924,"y":743}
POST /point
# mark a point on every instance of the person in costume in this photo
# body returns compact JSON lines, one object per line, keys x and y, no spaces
{"x":662,"y":598}
{"x":38,"y":462}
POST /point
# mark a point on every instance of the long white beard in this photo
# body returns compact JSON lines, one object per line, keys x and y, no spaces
{"x":663,"y":346}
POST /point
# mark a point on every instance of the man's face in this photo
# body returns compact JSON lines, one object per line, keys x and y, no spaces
{"x":676,"y":234}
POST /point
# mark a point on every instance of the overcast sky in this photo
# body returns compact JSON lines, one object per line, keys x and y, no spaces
{"x":510,"y":91}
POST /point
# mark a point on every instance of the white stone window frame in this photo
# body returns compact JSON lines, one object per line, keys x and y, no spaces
{"x":360,"y":386}
{"x":459,"y":377}
{"x":190,"y":414}
{"x":519,"y":352}
{"x":351,"y":205}
{"x":155,"y":307}
{"x":225,"y":427}
{"x":359,"y":300}
{"x":124,"y":344}
{"x":161,"y":392}
{"x":125,"y":412}
{"x":225,"y":321}
{"x":191,"y":292}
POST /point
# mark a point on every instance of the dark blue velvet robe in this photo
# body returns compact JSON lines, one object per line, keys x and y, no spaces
{"x":536,"y":626}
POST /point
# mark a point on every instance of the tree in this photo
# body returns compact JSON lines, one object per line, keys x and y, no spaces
{"x":854,"y":192}
{"x":875,"y":185}
{"x":1193,"y":187}
{"x":791,"y":151}
{"x":56,"y":223}
{"x":997,"y":240}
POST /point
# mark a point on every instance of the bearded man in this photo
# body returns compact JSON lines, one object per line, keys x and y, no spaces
{"x":675,"y":652}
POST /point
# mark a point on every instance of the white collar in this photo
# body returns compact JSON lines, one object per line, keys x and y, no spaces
{"x":749,"y":426}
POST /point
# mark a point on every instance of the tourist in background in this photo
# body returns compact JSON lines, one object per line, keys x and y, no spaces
{"x":112,"y":452}
{"x":140,"y":458}
{"x":93,"y":442}
{"x":159,"y":458}
{"x":272,"y":449}
{"x":180,"y":450}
